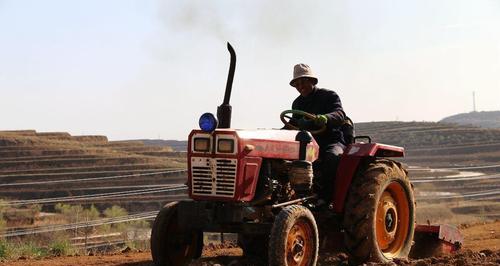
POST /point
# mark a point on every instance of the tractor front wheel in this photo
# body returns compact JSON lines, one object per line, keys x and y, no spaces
{"x":379,"y":214}
{"x":294,"y":238}
{"x":170,"y":245}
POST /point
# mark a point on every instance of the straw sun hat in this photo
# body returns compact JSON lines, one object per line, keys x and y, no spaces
{"x":302,"y":71}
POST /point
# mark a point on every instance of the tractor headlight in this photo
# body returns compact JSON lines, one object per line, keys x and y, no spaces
{"x":201,"y":144}
{"x":208,"y":122}
{"x":225,"y":145}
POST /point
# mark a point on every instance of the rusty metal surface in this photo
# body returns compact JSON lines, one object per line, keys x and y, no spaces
{"x":450,"y":234}
{"x":445,"y":232}
{"x":435,"y":240}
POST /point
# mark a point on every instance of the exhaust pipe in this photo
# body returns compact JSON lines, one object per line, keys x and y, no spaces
{"x":224,"y":110}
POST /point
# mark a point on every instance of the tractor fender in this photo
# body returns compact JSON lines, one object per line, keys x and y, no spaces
{"x":350,"y":162}
{"x":374,"y":149}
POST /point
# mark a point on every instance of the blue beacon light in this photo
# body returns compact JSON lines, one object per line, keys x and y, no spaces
{"x":208,"y":122}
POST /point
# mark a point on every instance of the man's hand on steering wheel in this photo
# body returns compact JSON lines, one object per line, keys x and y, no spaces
{"x":317,"y":122}
{"x":320,"y":120}
{"x":307,"y":122}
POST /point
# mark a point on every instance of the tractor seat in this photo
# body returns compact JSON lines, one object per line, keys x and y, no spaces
{"x":348,"y":131}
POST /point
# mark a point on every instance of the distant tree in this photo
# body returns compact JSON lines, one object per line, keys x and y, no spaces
{"x":77,"y":213}
{"x":113,"y":212}
{"x":92,"y":213}
{"x":73,"y":213}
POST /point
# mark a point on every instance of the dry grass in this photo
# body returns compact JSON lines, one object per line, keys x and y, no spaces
{"x":437,"y":213}
{"x":91,"y":138}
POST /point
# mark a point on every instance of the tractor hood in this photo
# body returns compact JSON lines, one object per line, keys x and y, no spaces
{"x":264,"y":143}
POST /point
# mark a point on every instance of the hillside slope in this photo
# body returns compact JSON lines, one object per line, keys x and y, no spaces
{"x":37,"y":165}
{"x":483,"y":119}
{"x":437,"y":144}
{"x":176,"y":145}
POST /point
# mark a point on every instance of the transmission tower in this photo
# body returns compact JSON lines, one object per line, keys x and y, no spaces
{"x":473,"y":101}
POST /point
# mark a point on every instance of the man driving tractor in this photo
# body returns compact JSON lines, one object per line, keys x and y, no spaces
{"x":257,"y":184}
{"x":329,"y":115}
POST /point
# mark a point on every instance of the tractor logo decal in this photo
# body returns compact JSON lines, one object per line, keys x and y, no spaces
{"x":271,"y":148}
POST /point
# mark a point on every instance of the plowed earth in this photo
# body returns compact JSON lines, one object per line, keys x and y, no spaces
{"x":481,"y":247}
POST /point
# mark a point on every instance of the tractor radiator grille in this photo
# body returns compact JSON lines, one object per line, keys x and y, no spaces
{"x":213,"y":176}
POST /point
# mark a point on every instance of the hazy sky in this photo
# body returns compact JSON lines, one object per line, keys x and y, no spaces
{"x":149,"y":69}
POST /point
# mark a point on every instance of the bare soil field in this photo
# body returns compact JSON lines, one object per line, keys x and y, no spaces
{"x":481,"y":247}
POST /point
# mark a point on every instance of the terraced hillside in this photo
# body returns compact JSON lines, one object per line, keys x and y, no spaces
{"x":437,"y":144}
{"x":465,"y":186}
{"x":35,"y":165}
{"x":486,"y":119}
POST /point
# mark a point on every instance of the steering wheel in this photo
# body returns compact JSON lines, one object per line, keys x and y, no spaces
{"x":306,"y":115}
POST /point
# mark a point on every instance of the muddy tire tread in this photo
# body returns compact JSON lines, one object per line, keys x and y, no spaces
{"x":159,"y":238}
{"x":282,"y":224}
{"x":158,"y":243}
{"x":359,"y":240}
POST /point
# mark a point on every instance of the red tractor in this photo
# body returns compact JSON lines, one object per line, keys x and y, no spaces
{"x":260,"y":185}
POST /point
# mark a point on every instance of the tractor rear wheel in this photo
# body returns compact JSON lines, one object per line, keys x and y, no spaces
{"x":294,"y":238}
{"x":379,"y":216}
{"x":170,"y":245}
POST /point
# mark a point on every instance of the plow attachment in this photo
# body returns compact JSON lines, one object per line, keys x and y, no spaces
{"x":435,"y":240}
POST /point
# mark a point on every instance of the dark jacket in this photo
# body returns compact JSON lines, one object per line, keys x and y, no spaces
{"x":324,"y":102}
